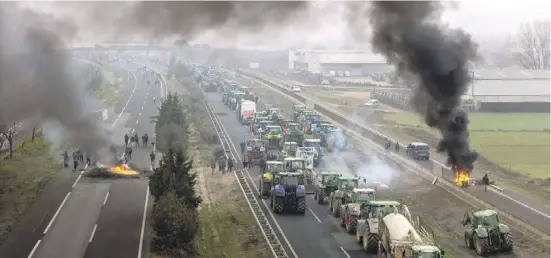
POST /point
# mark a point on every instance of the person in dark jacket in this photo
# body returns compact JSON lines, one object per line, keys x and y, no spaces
{"x":75,"y":161}
{"x":65,"y":159}
{"x":397,"y":147}
{"x":250,"y":160}
{"x":263,"y":165}
{"x":222,"y":164}
{"x":126,"y":138}
{"x":242,"y":144}
{"x":230,"y":164}
{"x":485,"y":181}
{"x":213,"y":165}
{"x":244,"y":161}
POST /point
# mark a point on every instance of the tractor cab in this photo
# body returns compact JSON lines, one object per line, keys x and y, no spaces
{"x":255,"y":147}
{"x":290,"y":179}
{"x":362,"y":195}
{"x":485,"y":233}
{"x":263,"y":124}
{"x":274,"y":167}
{"x":330,"y":179}
{"x":275,"y":111}
{"x":258,"y":115}
{"x":290,"y":149}
{"x":348,"y":183}
{"x":294,"y":164}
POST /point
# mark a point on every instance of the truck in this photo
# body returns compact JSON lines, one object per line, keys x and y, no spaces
{"x":485,"y":233}
{"x":247,"y":110}
{"x":398,"y":238}
{"x":288,"y":193}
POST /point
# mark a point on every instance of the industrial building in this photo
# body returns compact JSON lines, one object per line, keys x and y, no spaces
{"x":509,"y":90}
{"x":355,"y":63}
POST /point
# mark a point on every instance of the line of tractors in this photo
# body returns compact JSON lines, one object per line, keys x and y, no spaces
{"x":292,"y":149}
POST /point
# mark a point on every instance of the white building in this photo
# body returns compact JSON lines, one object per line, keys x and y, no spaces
{"x":356,"y":62}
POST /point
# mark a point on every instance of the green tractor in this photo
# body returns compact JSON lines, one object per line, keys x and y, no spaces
{"x":485,"y":233}
{"x":274,"y":137}
{"x":345,"y":187}
{"x":293,"y":133}
{"x":289,"y":149}
{"x":326,"y":185}
{"x":273,"y":168}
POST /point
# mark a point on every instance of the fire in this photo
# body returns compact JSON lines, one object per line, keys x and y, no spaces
{"x":122,"y":169}
{"x":461,"y":177}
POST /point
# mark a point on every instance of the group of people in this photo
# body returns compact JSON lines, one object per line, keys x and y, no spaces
{"x":389,"y":143}
{"x":78,"y":158}
{"x":136,"y":140}
{"x":248,"y":158}
{"x":224,"y":164}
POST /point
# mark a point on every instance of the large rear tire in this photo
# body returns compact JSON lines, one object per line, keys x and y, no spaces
{"x":301,"y":205}
{"x":352,"y":227}
{"x":336,"y":208}
{"x":278,"y":205}
{"x":319,"y":197}
{"x":469,"y":241}
{"x":482,"y":246}
{"x":507,"y":242}
{"x":370,"y":243}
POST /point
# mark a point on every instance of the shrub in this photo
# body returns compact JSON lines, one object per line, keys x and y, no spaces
{"x":175,"y":226}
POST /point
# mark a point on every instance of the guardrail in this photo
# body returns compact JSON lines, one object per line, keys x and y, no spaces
{"x":361,"y":131}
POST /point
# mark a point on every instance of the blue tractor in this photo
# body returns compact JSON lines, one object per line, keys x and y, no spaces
{"x":288,"y":193}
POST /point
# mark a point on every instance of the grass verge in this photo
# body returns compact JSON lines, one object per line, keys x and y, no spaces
{"x":112,"y":88}
{"x":22,"y":178}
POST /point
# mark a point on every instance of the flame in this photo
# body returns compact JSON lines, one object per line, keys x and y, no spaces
{"x":461,"y":177}
{"x":122,"y":169}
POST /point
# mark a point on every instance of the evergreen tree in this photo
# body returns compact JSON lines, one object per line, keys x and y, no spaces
{"x":174,"y":174}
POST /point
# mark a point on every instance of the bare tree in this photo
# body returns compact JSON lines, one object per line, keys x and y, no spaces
{"x":533,"y":45}
{"x":9,"y":130}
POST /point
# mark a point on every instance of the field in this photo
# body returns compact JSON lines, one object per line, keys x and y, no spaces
{"x":518,"y":142}
{"x":22,"y":178}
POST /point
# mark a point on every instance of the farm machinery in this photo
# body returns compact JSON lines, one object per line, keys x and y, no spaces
{"x":341,"y":195}
{"x":485,"y":233}
{"x":350,"y":211}
{"x":288,"y":193}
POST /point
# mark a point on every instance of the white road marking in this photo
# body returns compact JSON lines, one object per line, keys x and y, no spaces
{"x":105,"y":200}
{"x":93,"y":232}
{"x":142,"y":107}
{"x":34,"y":248}
{"x":345,"y":253}
{"x":140,"y":113}
{"x":76,"y":181}
{"x":129,"y":98}
{"x":56,"y":213}
{"x":315,"y":216}
{"x":256,"y":188}
{"x":137,"y":121}
{"x":143,"y":222}
{"x":399,"y":158}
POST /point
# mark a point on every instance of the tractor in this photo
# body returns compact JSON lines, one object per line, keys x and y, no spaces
{"x":341,"y":196}
{"x":289,"y":149}
{"x":485,"y":233}
{"x":275,"y":115}
{"x":255,"y":147}
{"x":350,"y":212}
{"x":316,"y":144}
{"x":326,"y":185}
{"x":274,"y":137}
{"x":294,"y":164}
{"x":293,"y":133}
{"x":367,"y":230}
{"x":288,"y":192}
{"x":273,"y":168}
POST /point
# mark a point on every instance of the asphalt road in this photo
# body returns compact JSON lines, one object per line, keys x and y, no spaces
{"x":30,"y":228}
{"x":510,"y":201}
{"x":93,"y":217}
{"x":315,"y":234}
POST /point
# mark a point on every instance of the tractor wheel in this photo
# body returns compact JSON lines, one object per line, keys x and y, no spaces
{"x":336,"y":208}
{"x":319,"y":198}
{"x":481,"y":246}
{"x":278,"y":205}
{"x":507,"y":242}
{"x":301,"y":205}
{"x":352,"y":227}
{"x":469,"y":241}
{"x":370,"y":242}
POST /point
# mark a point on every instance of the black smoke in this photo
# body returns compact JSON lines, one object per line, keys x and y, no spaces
{"x":410,"y":35}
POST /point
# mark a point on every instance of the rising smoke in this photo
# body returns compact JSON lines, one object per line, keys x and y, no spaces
{"x":37,"y":82}
{"x":410,"y":36}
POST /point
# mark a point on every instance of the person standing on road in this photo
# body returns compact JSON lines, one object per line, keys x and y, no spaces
{"x":242,"y":144}
{"x":126,"y":138}
{"x":244,"y":161}
{"x":137,"y":140}
{"x":485,"y":181}
{"x":230,"y":164}
{"x":75,"y":161}
{"x":397,"y":147}
{"x":152,"y":158}
{"x":65,"y":159}
{"x":250,"y":160}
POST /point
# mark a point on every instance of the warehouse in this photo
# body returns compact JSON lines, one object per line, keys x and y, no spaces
{"x":510,"y":90}
{"x":355,"y":63}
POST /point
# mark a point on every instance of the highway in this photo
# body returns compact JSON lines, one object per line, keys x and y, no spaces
{"x":532,"y":213}
{"x":85,"y":217}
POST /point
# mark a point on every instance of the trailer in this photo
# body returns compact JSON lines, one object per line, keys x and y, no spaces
{"x":247,"y":110}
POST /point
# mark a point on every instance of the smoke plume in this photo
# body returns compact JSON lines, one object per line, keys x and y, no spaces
{"x":409,"y":35}
{"x":36,"y":78}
